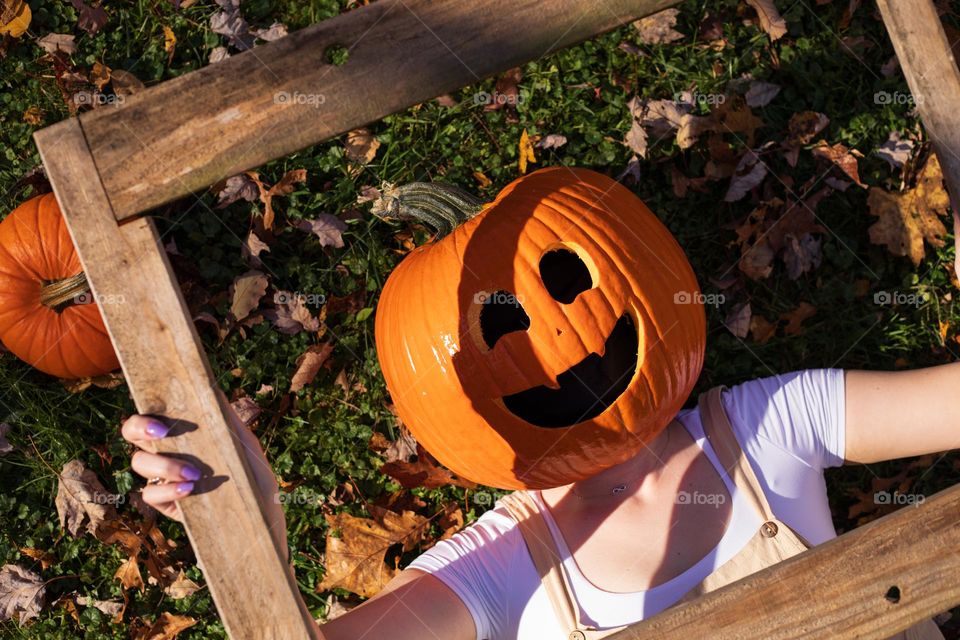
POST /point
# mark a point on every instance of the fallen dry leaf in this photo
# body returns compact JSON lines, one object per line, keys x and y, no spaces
{"x":424,"y":472}
{"x":169,"y":42}
{"x":239,"y":187}
{"x":251,"y":249}
{"x":109,"y":607}
{"x":328,"y":229}
{"x":129,"y":574}
{"x":896,"y":151}
{"x":291,"y":314}
{"x":761,"y":93}
{"x":166,"y":627}
{"x":308,"y":365}
{"x":840,"y":157}
{"x":770,"y":19}
{"x":549,"y":141}
{"x":33,"y":116}
{"x":246,"y":293}
{"x":81,"y":498}
{"x":909,"y":218}
{"x":761,"y":329}
{"x":738,"y":320}
{"x":246,"y":409}
{"x":15,"y":18}
{"x":21,"y":593}
{"x":525,"y":151}
{"x":45,"y":558}
{"x":5,"y":446}
{"x":91,"y":19}
{"x":361,"y":146}
{"x":53,"y":42}
{"x":182,"y":587}
{"x":125,"y":83}
{"x":659,"y":28}
{"x":796,"y":317}
{"x":750,"y":172}
{"x":356,"y":549}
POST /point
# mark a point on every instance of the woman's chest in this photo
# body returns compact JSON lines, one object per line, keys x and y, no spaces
{"x":644,"y":544}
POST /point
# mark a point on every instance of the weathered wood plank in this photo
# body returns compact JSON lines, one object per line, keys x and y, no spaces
{"x":836,"y":590}
{"x":185,"y":134}
{"x":168,"y":374}
{"x":931,"y":71}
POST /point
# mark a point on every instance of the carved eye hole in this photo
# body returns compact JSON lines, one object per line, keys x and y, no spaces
{"x":501,"y":314}
{"x":565,"y":274}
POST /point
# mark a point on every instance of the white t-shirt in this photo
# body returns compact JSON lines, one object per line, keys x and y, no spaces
{"x":791,"y":427}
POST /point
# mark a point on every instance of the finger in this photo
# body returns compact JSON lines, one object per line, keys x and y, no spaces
{"x":162,"y":497}
{"x":153,"y":465}
{"x":143,"y":430}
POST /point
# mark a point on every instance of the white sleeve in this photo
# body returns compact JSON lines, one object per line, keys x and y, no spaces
{"x":801,"y":412}
{"x":476,"y":563}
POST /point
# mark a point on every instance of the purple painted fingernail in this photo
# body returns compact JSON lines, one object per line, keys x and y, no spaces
{"x":184,"y":488}
{"x":190,"y":473}
{"x":156,"y":429}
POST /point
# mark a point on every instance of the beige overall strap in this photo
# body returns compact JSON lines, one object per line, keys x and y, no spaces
{"x":719,"y":431}
{"x":543,"y":551}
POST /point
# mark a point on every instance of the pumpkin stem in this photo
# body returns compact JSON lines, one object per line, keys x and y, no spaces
{"x":60,"y":294}
{"x":442,"y":206}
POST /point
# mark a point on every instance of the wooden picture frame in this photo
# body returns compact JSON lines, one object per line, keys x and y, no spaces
{"x":111,"y":165}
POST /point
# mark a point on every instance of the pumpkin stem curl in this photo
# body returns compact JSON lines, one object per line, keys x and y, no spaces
{"x":60,"y":294}
{"x":442,"y":206}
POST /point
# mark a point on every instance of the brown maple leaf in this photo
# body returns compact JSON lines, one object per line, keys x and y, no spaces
{"x":909,"y":218}
{"x":355,"y":556}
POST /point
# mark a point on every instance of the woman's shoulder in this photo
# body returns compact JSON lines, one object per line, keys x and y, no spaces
{"x":801,"y":412}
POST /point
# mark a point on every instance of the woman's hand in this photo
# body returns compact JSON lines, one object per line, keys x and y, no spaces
{"x":177,"y":478}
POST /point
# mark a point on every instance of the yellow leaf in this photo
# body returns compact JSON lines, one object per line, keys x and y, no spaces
{"x":526,"y":152}
{"x":19,"y":24}
{"x":169,"y":42}
{"x":482,"y":179}
{"x":33,"y":116}
{"x":944,"y":328}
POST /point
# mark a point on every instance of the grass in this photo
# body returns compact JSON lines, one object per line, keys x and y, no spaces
{"x":321,"y":440}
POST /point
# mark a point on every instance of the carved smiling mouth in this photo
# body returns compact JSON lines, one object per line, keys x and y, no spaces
{"x":587,"y":388}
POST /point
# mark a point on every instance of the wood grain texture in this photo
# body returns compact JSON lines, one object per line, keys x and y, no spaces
{"x":186,"y":134}
{"x":837,"y":589}
{"x":168,"y":373}
{"x":928,"y":64}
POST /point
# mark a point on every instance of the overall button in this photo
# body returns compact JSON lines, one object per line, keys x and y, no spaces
{"x":769,"y":529}
{"x":577,"y":635}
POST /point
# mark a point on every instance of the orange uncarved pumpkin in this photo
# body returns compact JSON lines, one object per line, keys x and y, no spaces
{"x":47,"y":315}
{"x":547,"y":337}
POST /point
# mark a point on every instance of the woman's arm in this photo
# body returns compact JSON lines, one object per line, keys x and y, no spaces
{"x":898,"y":414}
{"x":413,"y":606}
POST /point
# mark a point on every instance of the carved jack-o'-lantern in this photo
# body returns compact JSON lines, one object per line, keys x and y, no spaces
{"x":547,"y":336}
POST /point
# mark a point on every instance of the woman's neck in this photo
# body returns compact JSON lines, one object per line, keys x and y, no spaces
{"x":625,"y":478}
